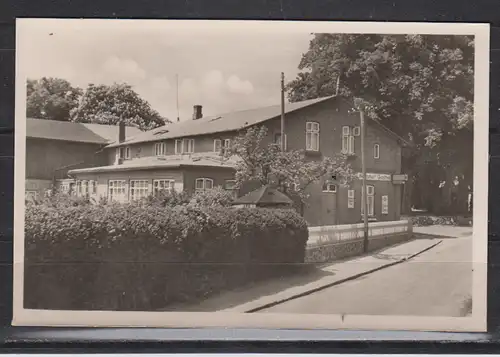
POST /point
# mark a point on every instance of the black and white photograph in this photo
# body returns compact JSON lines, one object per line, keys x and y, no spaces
{"x":253,"y":174}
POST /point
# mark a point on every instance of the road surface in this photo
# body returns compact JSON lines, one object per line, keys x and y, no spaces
{"x":436,"y":283}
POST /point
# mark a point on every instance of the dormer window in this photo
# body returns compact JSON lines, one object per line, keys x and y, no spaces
{"x":123,"y":152}
{"x":376,"y":151}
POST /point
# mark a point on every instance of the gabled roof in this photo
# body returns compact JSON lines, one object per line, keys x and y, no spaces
{"x":219,"y":123}
{"x":76,"y":132}
{"x":163,"y":162}
{"x":264,"y":195}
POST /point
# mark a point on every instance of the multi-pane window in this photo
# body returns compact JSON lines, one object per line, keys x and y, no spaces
{"x":78,"y":188}
{"x":312,"y":136}
{"x":162,"y":185}
{"x":138,"y":189}
{"x":370,"y":194}
{"x":347,"y":140}
{"x":350,"y":198}
{"x":329,"y":187}
{"x":93,"y":187}
{"x":227,"y":144}
{"x":231,"y":187}
{"x":217,"y":145}
{"x":385,"y":204}
{"x":376,"y":151}
{"x":85,"y":188}
{"x":356,"y":131}
{"x":31,"y":195}
{"x":184,"y":146}
{"x":127,"y":153}
{"x":160,"y":149}
{"x":117,"y":190}
{"x":277,"y":139}
{"x":189,"y":146}
{"x":203,"y":184}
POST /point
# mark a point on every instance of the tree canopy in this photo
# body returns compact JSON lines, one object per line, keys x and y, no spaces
{"x":420,"y":86}
{"x":57,"y":99}
{"x":104,"y":104}
{"x":290,"y":171}
{"x":51,"y":98}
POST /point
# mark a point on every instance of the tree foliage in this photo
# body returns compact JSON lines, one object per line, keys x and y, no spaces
{"x":51,"y":98}
{"x":104,"y":104}
{"x":420,"y":86}
{"x":290,"y":171}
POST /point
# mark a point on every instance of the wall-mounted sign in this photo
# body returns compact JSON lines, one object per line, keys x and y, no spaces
{"x":375,"y":177}
{"x":399,"y":178}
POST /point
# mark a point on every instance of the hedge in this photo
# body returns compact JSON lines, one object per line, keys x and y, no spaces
{"x":140,"y":257}
{"x":425,"y":220}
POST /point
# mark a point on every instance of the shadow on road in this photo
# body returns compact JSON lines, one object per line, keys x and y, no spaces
{"x":228,"y":299}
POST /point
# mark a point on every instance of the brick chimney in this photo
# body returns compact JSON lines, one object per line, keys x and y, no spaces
{"x":197,"y":112}
{"x":121,"y":132}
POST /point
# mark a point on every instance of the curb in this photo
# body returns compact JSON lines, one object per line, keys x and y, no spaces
{"x":353,"y":277}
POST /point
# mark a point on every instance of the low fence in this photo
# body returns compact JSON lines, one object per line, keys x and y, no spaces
{"x":330,"y":243}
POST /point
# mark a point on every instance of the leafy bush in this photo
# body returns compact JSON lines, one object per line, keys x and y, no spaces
{"x":167,"y":199}
{"x":214,"y":197}
{"x":62,"y":200}
{"x":132,"y":257}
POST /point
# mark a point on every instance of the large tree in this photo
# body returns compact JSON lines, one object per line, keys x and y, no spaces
{"x":290,"y":171}
{"x":115,"y":103}
{"x":51,"y":98}
{"x":420,"y":86}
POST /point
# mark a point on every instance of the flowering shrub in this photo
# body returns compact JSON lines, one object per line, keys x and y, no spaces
{"x":214,"y":197}
{"x":133,"y":257}
{"x":441,"y":221}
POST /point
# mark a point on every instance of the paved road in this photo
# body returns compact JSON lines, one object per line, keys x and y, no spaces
{"x":436,"y":283}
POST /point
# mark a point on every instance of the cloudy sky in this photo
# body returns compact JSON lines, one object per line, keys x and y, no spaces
{"x":222,"y":68}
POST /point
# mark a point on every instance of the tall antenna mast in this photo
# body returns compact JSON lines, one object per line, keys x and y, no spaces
{"x":177,"y":93}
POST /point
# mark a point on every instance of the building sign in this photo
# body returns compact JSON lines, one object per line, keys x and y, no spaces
{"x":375,"y":177}
{"x":385,"y":204}
{"x":399,"y":179}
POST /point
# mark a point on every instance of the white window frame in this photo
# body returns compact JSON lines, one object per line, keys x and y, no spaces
{"x":356,"y":131}
{"x":376,"y":151}
{"x":78,"y":188}
{"x":385,"y":204}
{"x":217,"y":145}
{"x":227,"y":144}
{"x":312,"y":131}
{"x":138,"y":189}
{"x":350,"y":198}
{"x":370,"y":194}
{"x":168,"y":185}
{"x":203,"y":181}
{"x":84,"y":188}
{"x":188,"y":149}
{"x":179,"y":146}
{"x":233,"y":189}
{"x":330,"y":187}
{"x":346,"y":132}
{"x":160,"y":149}
{"x":93,"y":186}
{"x":31,"y":195}
{"x":351,"y":144}
{"x":127,"y":153}
{"x":115,"y":185}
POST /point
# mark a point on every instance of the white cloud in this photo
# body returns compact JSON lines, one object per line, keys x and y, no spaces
{"x":237,"y":85}
{"x":122,"y":70}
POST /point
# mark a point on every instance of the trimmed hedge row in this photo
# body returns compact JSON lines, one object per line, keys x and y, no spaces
{"x":139,"y":257}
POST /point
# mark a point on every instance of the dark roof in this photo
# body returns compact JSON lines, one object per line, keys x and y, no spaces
{"x":264,"y":195}
{"x":220,"y":123}
{"x":76,"y":132}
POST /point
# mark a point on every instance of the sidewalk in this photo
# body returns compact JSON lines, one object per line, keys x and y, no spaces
{"x":269,"y":293}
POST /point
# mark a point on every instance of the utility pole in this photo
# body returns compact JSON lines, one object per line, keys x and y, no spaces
{"x":364,"y":197}
{"x":177,"y":94}
{"x":283,"y":141}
